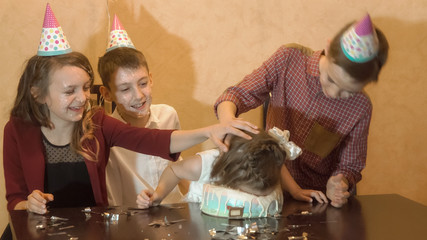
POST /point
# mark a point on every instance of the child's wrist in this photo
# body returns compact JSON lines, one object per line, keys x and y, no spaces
{"x":295,"y":191}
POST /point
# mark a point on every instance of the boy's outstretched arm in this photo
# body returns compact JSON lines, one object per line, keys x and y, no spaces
{"x":188,"y":169}
{"x":307,"y":195}
{"x":226,"y":111}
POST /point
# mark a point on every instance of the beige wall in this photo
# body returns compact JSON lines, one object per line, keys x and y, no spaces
{"x":197,"y":48}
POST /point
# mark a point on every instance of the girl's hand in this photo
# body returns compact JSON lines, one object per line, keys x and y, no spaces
{"x":218,"y":132}
{"x":37,"y":200}
{"x":307,"y":195}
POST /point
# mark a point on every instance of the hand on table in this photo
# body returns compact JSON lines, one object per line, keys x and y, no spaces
{"x":307,"y":195}
{"x":337,"y":190}
{"x":37,"y":200}
{"x":146,"y":199}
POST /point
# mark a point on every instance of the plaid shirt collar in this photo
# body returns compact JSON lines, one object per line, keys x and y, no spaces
{"x":313,"y":63}
{"x":313,"y":72}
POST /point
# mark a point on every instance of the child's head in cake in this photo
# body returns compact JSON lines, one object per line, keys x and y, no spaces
{"x":243,"y":182}
{"x":252,"y":166}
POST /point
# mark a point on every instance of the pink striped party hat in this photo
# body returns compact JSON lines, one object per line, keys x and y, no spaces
{"x":52,"y":41}
{"x":118,"y":36}
{"x":360,"y":42}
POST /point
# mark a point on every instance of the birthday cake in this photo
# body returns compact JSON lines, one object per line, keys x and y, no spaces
{"x":225,"y":202}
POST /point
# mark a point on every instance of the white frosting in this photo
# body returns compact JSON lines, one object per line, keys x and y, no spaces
{"x":226,"y":202}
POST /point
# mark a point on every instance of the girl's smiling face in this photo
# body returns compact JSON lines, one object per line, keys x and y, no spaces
{"x":68,"y":92}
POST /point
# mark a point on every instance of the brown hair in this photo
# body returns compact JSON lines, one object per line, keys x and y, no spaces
{"x":361,"y":72}
{"x":124,"y":57}
{"x":255,"y":163}
{"x":37,"y":74}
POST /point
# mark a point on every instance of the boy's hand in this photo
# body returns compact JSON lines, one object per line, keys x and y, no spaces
{"x":337,"y":190}
{"x":143,"y":198}
{"x":37,"y":200}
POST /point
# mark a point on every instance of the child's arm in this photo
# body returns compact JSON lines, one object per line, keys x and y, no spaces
{"x":289,"y":185}
{"x":189,"y":169}
{"x":36,"y":202}
{"x":181,"y":140}
{"x":226,"y":111}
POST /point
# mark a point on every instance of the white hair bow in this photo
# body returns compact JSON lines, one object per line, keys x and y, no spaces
{"x":291,"y":149}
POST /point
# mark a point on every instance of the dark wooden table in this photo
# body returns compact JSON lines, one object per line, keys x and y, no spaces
{"x":364,"y":217}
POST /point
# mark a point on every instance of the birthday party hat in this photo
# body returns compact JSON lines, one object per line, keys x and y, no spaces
{"x":52,"y":41}
{"x":118,"y":36}
{"x":360,"y":42}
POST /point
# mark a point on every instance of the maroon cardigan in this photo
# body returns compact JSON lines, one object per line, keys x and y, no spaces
{"x":24,"y":160}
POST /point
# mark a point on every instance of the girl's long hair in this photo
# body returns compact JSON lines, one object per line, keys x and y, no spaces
{"x":37,"y":74}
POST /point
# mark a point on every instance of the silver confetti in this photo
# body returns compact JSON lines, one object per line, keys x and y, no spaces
{"x":306,"y":213}
{"x":292,"y":226}
{"x":115,"y":217}
{"x":212,"y":232}
{"x":40,"y":227}
{"x":56,"y":233}
{"x":55,"y":218}
{"x":87,"y":210}
{"x":67,"y":227}
{"x":302,"y":237}
{"x":165,"y":222}
{"x":106,"y":214}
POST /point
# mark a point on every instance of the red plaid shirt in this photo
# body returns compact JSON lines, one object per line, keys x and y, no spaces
{"x":332,"y":132}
